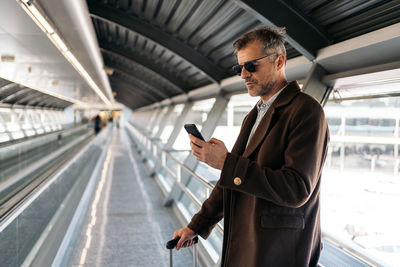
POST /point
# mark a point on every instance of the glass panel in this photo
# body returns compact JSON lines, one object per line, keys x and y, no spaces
{"x":361,"y":181}
{"x":176,"y":112}
{"x":228,"y":129}
{"x":160,"y":116}
{"x":197,"y":115}
{"x":229,"y":125}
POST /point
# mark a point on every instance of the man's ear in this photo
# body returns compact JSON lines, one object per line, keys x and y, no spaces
{"x":280,"y":61}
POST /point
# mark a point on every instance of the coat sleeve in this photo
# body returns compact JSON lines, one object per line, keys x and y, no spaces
{"x":211,"y":211}
{"x":210,"y":214}
{"x":294,"y":182}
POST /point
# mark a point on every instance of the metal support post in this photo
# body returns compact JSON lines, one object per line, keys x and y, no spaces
{"x":158,"y":120}
{"x":178,"y":125}
{"x":207,"y":130}
{"x":314,"y":85}
{"x":164,"y":121}
{"x":153,"y":119}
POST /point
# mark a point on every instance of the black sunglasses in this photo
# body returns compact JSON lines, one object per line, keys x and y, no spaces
{"x":248,"y":65}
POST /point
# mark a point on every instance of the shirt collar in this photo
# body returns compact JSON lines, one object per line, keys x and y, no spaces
{"x":266,"y":105}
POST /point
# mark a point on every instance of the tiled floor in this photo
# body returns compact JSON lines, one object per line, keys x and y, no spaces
{"x":129,"y":224}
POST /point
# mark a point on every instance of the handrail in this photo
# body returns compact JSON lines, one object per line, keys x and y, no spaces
{"x":191,"y":172}
{"x":352,"y":249}
{"x":209,"y":186}
{"x":344,"y":245}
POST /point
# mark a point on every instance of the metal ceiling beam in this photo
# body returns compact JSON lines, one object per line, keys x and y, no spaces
{"x":5,"y":90}
{"x":36,"y":100}
{"x":302,"y":34}
{"x":56,"y":103}
{"x":115,"y":16}
{"x":5,"y":86}
{"x":125,"y":98}
{"x":43,"y":101}
{"x":141,"y":83}
{"x":144,"y":61}
{"x":128,"y":71}
{"x":33,"y":95}
{"x":141,"y":87}
{"x":16,"y":94}
{"x":134,"y":91}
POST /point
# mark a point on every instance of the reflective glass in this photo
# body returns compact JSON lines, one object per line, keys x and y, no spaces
{"x":361,"y":181}
{"x":197,"y":115}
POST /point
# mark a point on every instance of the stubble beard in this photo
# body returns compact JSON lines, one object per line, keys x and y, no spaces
{"x":264,"y":89}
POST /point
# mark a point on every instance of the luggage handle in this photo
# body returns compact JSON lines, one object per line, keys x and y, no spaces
{"x":172,"y":243}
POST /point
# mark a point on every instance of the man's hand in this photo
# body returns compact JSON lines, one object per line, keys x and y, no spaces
{"x":186,"y":239}
{"x":212,"y":152}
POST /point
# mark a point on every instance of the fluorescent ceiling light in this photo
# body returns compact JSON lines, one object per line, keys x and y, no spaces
{"x":40,"y":19}
{"x":56,"y":39}
{"x":60,"y":43}
{"x":71,"y":57}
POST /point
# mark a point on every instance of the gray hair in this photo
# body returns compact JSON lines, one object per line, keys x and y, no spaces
{"x":272,"y":38}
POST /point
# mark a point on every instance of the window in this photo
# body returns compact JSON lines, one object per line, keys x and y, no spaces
{"x":197,"y":115}
{"x":361,"y":181}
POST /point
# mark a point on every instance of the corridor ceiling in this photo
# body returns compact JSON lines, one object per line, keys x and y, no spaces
{"x":17,"y":95}
{"x":157,"y":49}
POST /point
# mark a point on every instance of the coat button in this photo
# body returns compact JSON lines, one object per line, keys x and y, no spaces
{"x":237,"y":181}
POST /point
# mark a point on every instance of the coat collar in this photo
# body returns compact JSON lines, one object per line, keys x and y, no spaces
{"x":284,"y":98}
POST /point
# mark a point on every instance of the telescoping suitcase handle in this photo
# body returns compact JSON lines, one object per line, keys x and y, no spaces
{"x":172,"y":243}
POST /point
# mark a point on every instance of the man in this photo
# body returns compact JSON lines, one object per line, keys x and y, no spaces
{"x":268,"y":191}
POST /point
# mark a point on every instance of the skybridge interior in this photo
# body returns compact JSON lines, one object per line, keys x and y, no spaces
{"x":138,"y":70}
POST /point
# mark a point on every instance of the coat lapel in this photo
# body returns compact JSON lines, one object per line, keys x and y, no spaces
{"x":291,"y":90}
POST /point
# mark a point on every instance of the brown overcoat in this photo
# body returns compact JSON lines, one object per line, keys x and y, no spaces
{"x":272,"y":218}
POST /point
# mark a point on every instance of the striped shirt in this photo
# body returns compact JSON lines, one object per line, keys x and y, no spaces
{"x":261,"y":110}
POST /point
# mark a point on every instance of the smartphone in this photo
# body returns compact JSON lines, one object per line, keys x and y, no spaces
{"x":192,"y":129}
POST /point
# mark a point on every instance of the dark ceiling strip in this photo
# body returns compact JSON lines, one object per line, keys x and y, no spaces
{"x":129,"y":95}
{"x":213,"y":72}
{"x":4,"y":82}
{"x":129,"y":4}
{"x":140,"y":59}
{"x":130,"y":101}
{"x":135,"y":89}
{"x":233,"y":38}
{"x":152,"y":91}
{"x":143,"y":7}
{"x":122,"y":88}
{"x":207,"y":19}
{"x":302,"y":34}
{"x":164,"y":85}
{"x":36,"y":100}
{"x":15,"y":94}
{"x":172,"y":13}
{"x":50,"y":103}
{"x":188,"y":15}
{"x":157,"y":9}
{"x":9,"y":86}
{"x":33,"y":95}
{"x":44,"y":100}
{"x":133,"y":106}
{"x":237,"y":14}
{"x":59,"y":103}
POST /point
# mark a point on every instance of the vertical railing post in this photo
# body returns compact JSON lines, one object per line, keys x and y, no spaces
{"x":178,"y":173}
{"x":195,"y":255}
{"x":163,"y":159}
{"x":208,"y":191}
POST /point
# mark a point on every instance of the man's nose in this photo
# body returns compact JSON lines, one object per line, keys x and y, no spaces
{"x":245,"y":73}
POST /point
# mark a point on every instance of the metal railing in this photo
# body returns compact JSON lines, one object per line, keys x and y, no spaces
{"x":160,"y":155}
